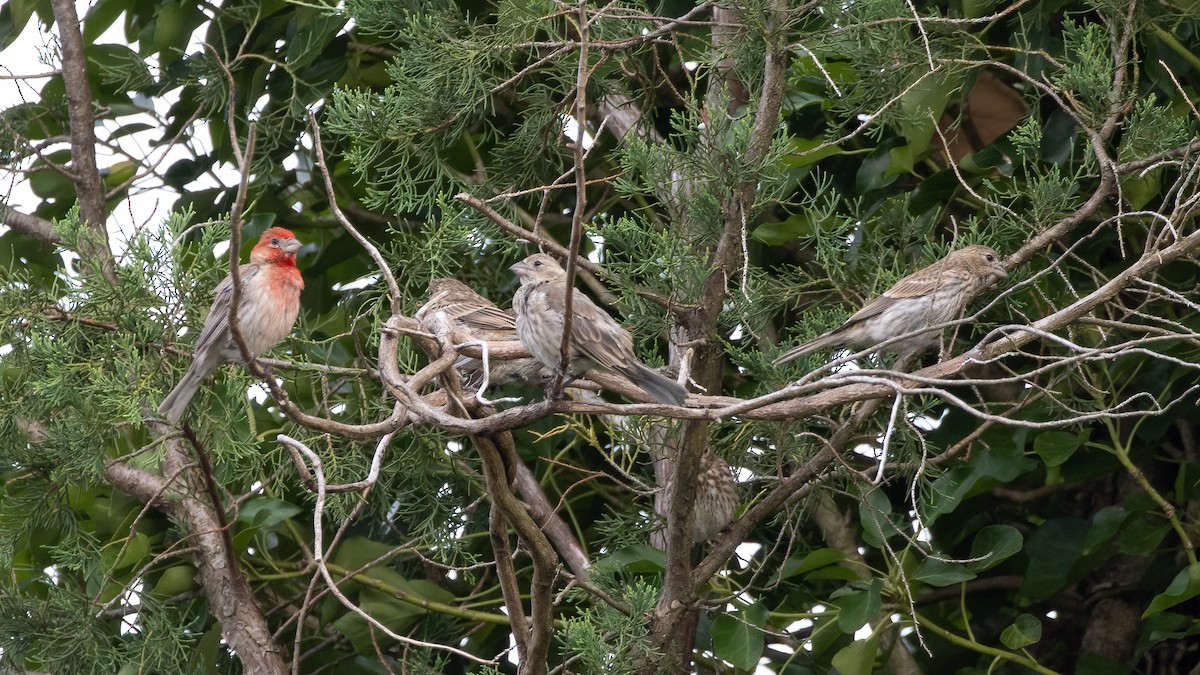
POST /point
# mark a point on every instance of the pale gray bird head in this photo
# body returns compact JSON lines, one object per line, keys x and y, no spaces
{"x":538,"y":267}
{"x":980,"y":261}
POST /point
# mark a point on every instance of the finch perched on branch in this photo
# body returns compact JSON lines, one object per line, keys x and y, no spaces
{"x":925,"y":298}
{"x":596,"y":340}
{"x":716,"y":498}
{"x":478,"y":318}
{"x":267,"y":309}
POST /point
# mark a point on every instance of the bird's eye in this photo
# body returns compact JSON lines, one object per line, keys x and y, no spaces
{"x":990,"y":257}
{"x":537,"y":263}
{"x":275,"y":242}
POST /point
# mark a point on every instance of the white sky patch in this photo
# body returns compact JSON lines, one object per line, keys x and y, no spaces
{"x":737,"y":332}
{"x":131,"y":598}
{"x":148,"y":203}
{"x":921,"y":534}
{"x":571,"y":131}
{"x":745,"y":552}
{"x":867,"y":450}
{"x":512,"y":647}
{"x":597,"y":254}
{"x":257,"y":393}
{"x":927,"y":423}
{"x":691,"y":66}
{"x":358,"y":284}
{"x":743,"y":475}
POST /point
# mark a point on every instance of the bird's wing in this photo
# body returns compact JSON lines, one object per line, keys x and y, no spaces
{"x":916,"y":285}
{"x":488,"y":318}
{"x":594,"y":334}
{"x":216,"y":326}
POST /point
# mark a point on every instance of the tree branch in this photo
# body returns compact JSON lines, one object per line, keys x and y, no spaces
{"x":89,"y":189}
{"x":29,"y":225}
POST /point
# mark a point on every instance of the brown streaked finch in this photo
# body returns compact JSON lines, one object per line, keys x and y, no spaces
{"x":596,"y":339}
{"x":928,"y":297}
{"x":478,"y":318}
{"x":716,"y":498}
{"x":267,"y":309}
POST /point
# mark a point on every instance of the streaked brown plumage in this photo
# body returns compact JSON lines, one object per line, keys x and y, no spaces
{"x":597,"y":341}
{"x":478,"y":318}
{"x":716,"y":498}
{"x":928,"y":297}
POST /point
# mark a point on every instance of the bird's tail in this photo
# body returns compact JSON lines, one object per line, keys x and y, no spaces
{"x":813,"y":345}
{"x":663,"y":389}
{"x":176,"y":402}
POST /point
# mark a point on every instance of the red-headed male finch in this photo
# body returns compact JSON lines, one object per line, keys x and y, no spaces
{"x":478,"y":318}
{"x":597,"y":341}
{"x":267,"y":309}
{"x":928,"y":297}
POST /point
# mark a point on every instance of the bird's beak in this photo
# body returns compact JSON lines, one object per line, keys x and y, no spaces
{"x":291,"y":245}
{"x":999,"y":272}
{"x":519,"y":267}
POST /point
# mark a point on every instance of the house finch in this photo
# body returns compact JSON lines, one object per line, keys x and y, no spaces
{"x":716,"y":498}
{"x":477,"y":318}
{"x":267,"y":309}
{"x":925,"y":298}
{"x":597,"y":341}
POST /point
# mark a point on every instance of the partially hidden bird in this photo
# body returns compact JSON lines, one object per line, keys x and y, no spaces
{"x":478,"y":318}
{"x":596,"y":341}
{"x":716,"y":498}
{"x":928,"y":297}
{"x":268,"y":305}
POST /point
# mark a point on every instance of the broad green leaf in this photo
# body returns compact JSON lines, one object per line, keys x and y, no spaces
{"x":1142,"y":533}
{"x":860,"y":607}
{"x":266,"y":512}
{"x":801,"y":152}
{"x":992,"y":545}
{"x":874,"y":172}
{"x":1185,"y":586}
{"x":934,"y":192}
{"x":204,"y":655}
{"x":123,"y":553}
{"x":879,"y":523}
{"x":102,"y":15}
{"x":175,"y":580}
{"x":942,"y":573}
{"x":739,"y":639}
{"x":1105,"y":525}
{"x":20,"y":13}
{"x":783,"y":231}
{"x":1056,"y":447}
{"x":856,"y":658}
{"x":812,"y":560}
{"x":639,"y":558}
{"x":390,"y":612}
{"x":1052,"y":549}
{"x":1024,"y":631}
{"x":1139,"y":189}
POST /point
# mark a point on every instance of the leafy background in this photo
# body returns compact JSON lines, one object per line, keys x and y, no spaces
{"x":1041,"y":519}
